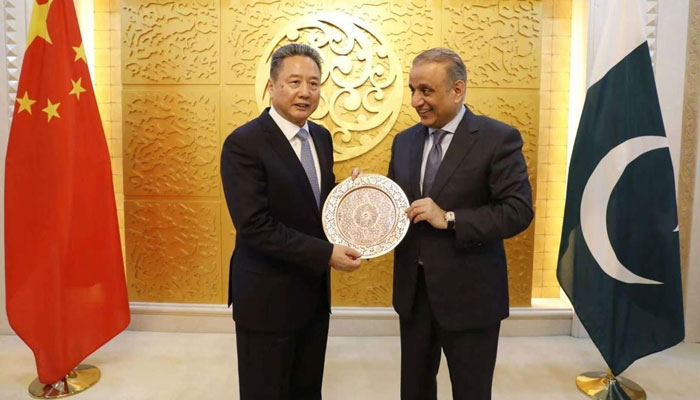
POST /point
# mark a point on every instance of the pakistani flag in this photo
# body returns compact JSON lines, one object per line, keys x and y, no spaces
{"x":619,"y":260}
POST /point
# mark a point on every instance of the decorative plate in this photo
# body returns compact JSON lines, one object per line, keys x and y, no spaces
{"x":367,"y":214}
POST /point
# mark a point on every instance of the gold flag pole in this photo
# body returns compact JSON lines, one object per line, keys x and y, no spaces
{"x":606,"y":386}
{"x":81,"y":378}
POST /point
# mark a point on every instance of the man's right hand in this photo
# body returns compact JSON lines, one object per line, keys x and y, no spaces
{"x":355,"y":173}
{"x":345,"y":258}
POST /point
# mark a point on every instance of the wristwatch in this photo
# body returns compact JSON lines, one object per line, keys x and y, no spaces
{"x":450,"y":218}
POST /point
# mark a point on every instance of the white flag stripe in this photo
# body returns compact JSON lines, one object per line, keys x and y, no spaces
{"x":621,"y":30}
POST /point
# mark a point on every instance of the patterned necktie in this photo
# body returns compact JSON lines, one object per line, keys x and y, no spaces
{"x":433,"y":162}
{"x":307,"y":161}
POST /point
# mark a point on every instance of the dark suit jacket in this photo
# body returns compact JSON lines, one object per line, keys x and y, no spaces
{"x":279,"y":274}
{"x":483,"y":179}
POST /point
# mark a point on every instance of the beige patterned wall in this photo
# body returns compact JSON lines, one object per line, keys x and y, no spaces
{"x":689,"y":137}
{"x":551,"y":147}
{"x":189,"y":72}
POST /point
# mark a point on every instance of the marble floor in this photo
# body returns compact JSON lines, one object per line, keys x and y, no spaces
{"x":188,"y":366}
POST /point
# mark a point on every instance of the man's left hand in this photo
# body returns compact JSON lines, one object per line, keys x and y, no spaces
{"x":425,"y":209}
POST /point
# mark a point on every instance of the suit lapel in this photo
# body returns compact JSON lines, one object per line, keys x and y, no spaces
{"x":462,"y":142}
{"x":416,"y":158}
{"x":289,"y":158}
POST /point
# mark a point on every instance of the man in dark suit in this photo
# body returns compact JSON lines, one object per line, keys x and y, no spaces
{"x":277,"y":170}
{"x":467,"y":182}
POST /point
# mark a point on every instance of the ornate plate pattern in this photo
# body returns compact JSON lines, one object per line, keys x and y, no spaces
{"x":366,"y":214}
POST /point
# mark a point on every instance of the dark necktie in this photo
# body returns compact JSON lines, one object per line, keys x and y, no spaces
{"x":307,"y":161}
{"x":433,"y":162}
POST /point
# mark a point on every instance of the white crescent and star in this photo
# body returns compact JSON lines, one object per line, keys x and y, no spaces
{"x":594,"y":213}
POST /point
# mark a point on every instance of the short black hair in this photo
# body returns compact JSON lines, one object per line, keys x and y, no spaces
{"x":291,"y":50}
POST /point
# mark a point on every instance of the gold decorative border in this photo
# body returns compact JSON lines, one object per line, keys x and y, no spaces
{"x":689,"y":145}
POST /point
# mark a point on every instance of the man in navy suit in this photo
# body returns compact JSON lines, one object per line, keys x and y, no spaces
{"x":277,"y":170}
{"x":466,"y":179}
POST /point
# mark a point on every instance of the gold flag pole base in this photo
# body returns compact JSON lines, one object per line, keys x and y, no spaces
{"x":605,"y":386}
{"x":81,"y":378}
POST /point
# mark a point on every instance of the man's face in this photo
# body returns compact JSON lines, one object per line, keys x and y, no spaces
{"x":296,"y":90}
{"x":435,"y":98}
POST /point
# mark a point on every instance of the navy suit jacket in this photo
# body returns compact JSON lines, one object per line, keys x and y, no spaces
{"x":279,"y":273}
{"x":482,"y":178}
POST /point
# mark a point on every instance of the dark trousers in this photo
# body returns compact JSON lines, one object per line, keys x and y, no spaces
{"x":282,"y":366}
{"x":471,"y":354}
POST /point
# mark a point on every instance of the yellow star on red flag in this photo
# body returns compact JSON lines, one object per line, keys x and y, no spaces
{"x":60,"y":170}
{"x":25,"y":103}
{"x":38,"y":24}
{"x":77,"y":88}
{"x":79,"y":53}
{"x":51,"y":110}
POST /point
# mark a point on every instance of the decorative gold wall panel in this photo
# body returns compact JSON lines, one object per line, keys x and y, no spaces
{"x":364,"y":108}
{"x":248,"y":26}
{"x":166,"y":41}
{"x":171,"y":142}
{"x":498,"y":41}
{"x":519,"y":108}
{"x":410,"y":26}
{"x":173,"y":251}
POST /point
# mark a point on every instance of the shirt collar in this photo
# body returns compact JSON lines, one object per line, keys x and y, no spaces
{"x":289,"y":129}
{"x":451,"y":127}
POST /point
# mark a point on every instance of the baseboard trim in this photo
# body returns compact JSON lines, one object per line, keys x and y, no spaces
{"x":345,"y":321}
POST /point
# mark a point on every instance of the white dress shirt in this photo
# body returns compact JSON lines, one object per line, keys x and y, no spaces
{"x":450,"y":128}
{"x":289,"y":129}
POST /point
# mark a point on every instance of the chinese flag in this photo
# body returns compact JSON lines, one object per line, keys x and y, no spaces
{"x":66,"y":291}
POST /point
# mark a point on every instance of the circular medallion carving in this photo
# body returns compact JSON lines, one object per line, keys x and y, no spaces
{"x":367,"y":214}
{"x":362,"y":79}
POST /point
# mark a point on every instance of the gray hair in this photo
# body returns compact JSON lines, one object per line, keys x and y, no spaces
{"x":291,"y":50}
{"x":455,"y":68}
